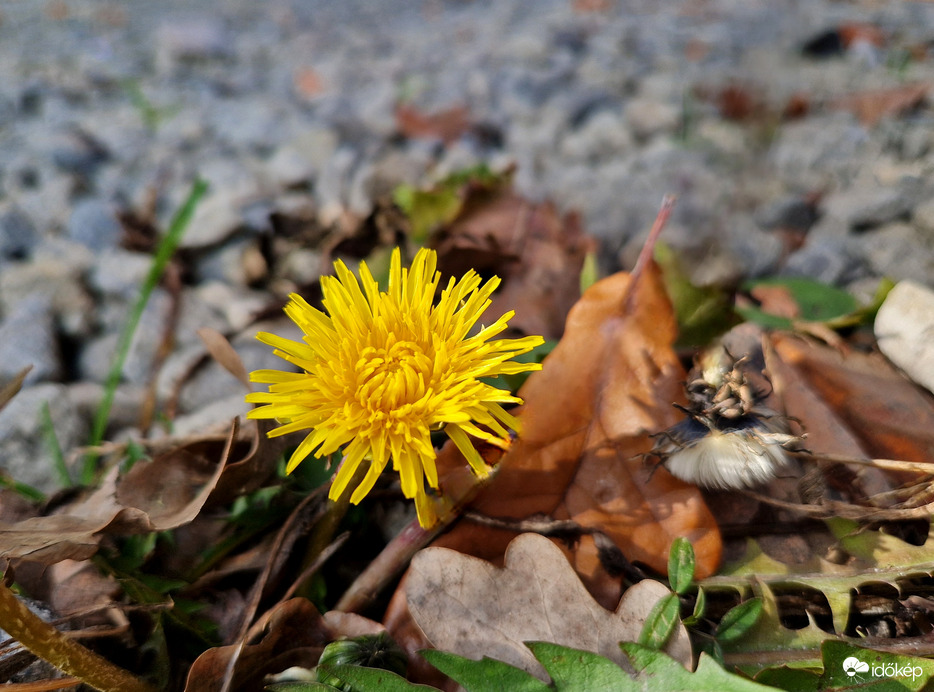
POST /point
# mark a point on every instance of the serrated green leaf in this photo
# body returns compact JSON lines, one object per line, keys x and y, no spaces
{"x":372,"y":679}
{"x":739,"y":619}
{"x":660,"y":622}
{"x":847,"y":666}
{"x":834,"y":581}
{"x":485,"y":675}
{"x":299,"y":687}
{"x":658,"y":671}
{"x":573,"y":669}
{"x":883,"y":550}
{"x":768,"y":634}
{"x":680,"y":565}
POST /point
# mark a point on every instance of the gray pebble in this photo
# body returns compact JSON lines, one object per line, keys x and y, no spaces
{"x":24,"y":452}
{"x":27,"y":338}
{"x":18,"y":235}
{"x":94,"y":223}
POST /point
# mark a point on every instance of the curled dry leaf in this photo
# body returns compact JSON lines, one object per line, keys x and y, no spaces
{"x":221,"y":350}
{"x":608,"y":384}
{"x":294,"y":636}
{"x":537,"y":252}
{"x":470,"y":607}
{"x":9,"y":388}
{"x":447,"y":125}
{"x":157,"y":495}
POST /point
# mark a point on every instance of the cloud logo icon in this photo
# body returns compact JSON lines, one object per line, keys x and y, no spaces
{"x":852,"y":666}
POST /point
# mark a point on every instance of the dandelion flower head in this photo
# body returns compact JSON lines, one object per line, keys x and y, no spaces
{"x":381,"y":370}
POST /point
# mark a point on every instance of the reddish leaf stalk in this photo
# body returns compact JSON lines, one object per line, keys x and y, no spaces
{"x":668,"y":204}
{"x":461,"y":486}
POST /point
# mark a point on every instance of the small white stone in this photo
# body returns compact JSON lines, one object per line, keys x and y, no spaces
{"x":904,"y":329}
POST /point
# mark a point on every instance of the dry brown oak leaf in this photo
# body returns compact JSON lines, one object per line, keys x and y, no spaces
{"x":472,"y":608}
{"x":588,"y":415}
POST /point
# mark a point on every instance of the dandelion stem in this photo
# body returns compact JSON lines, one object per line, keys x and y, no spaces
{"x":326,"y":527}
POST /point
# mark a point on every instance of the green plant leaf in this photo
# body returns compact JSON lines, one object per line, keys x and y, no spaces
{"x":573,"y":669}
{"x":590,"y":272}
{"x":485,"y":674}
{"x":680,"y":565}
{"x":817,"y":302}
{"x":431,"y":208}
{"x":365,"y":679}
{"x":661,"y":622}
{"x":849,"y":667}
{"x":791,"y":679}
{"x":739,"y":620}
{"x":299,"y":687}
{"x":703,"y":312}
{"x":658,"y":671}
{"x":427,"y":209}
{"x":700,"y":605}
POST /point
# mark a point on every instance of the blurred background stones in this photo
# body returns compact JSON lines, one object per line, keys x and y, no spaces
{"x":291,"y":111}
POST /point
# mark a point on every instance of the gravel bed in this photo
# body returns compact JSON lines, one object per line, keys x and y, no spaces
{"x":109,"y":110}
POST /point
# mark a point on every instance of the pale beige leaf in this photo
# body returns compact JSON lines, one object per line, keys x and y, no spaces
{"x":472,"y":608}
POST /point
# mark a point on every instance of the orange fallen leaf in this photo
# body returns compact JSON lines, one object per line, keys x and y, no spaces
{"x":872,"y":106}
{"x":776,"y":300}
{"x":307,"y":82}
{"x":608,"y":385}
{"x":447,"y":125}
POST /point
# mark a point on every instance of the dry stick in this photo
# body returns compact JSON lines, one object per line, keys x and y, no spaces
{"x":41,"y":685}
{"x":46,"y":642}
{"x":886,"y":464}
{"x":256,"y":593}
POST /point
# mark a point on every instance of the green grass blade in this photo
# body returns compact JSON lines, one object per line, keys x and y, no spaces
{"x":163,"y":253}
{"x":51,"y":440}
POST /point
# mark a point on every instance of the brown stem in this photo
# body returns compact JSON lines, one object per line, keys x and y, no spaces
{"x":46,"y":642}
{"x":461,"y":486}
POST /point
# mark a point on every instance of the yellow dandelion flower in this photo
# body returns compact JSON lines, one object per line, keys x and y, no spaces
{"x":382,"y":370}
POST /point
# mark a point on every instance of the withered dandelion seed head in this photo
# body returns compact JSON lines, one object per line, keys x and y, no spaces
{"x":382,"y":369}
